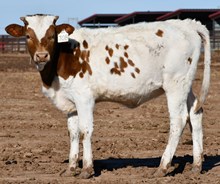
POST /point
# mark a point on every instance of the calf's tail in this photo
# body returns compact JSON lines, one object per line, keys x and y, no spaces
{"x":204,"y":34}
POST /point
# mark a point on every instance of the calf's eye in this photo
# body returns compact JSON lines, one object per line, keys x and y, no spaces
{"x":51,"y":37}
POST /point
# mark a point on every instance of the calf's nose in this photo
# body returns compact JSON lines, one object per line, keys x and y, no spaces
{"x":42,"y":56}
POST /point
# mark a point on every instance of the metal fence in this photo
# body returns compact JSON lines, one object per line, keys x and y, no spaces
{"x":215,"y":39}
{"x":10,"y":44}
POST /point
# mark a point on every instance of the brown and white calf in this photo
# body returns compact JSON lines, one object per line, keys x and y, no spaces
{"x":129,"y":65}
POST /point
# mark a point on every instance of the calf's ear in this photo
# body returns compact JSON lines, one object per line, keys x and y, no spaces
{"x":68,"y":28}
{"x":15,"y":30}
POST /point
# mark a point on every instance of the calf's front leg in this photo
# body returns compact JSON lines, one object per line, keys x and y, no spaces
{"x":73,"y":128}
{"x":85,"y":113}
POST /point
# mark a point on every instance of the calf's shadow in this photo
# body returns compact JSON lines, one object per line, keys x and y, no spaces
{"x":111,"y":164}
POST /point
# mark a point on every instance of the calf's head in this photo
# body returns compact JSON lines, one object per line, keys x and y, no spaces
{"x":41,"y":34}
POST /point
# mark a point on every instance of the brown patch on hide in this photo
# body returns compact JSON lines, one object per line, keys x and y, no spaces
{"x":115,"y":71}
{"x":123,"y":64}
{"x":133,"y":75}
{"x":107,"y":60}
{"x":126,"y":47}
{"x":116,"y":65}
{"x":126,"y":54}
{"x":71,"y":64}
{"x":137,"y":70}
{"x":32,"y":42}
{"x":110,"y":52}
{"x":83,"y":55}
{"x":81,"y":74}
{"x":117,"y":46}
{"x":124,"y":61}
{"x":130,"y":62}
{"x":85,"y":44}
{"x":190,"y":60}
{"x":159,"y":33}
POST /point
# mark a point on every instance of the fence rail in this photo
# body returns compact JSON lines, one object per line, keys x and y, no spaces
{"x":215,"y":39}
{"x":10,"y":44}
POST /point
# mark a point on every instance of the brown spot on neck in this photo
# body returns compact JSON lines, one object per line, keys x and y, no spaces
{"x":159,"y":33}
{"x":69,"y":64}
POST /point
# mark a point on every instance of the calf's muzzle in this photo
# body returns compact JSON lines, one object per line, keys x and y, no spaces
{"x":40,"y":59}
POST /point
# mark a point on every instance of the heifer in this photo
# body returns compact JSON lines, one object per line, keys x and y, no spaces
{"x":129,"y":65}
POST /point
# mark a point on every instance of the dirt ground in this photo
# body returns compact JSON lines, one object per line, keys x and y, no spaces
{"x":127,"y":143}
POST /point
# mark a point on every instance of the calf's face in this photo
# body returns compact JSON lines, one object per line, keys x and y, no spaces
{"x":41,"y":34}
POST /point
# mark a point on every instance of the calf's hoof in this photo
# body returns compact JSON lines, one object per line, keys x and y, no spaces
{"x":86,"y":173}
{"x":160,"y":172}
{"x":196,"y":169}
{"x":70,"y":172}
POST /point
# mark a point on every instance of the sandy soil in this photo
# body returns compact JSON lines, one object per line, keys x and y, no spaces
{"x":127,"y":143}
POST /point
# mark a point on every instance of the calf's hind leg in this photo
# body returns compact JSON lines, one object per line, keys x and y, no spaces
{"x":177,"y":106}
{"x":197,"y":133}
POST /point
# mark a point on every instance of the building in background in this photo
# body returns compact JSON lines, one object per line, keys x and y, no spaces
{"x":209,"y":17}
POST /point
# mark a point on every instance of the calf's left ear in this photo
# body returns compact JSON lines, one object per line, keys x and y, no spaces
{"x":15,"y":30}
{"x":68,"y":28}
